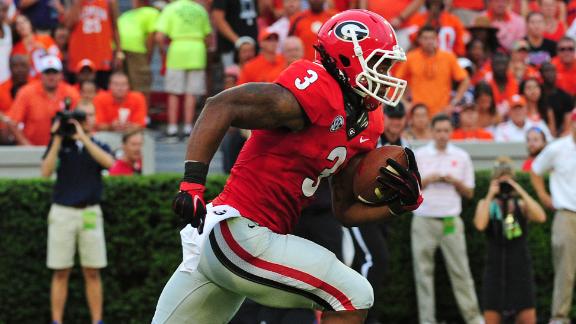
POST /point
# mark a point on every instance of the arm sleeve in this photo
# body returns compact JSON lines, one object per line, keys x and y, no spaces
{"x":458,"y":73}
{"x":162,"y":24}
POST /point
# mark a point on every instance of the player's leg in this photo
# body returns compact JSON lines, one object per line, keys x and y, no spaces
{"x":189,"y":297}
{"x":195,"y":87}
{"x":284,"y":271}
{"x":94,"y":296}
{"x":492,"y":317}
{"x":526,"y":316}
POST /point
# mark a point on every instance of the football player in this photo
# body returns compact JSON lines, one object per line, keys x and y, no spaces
{"x":308,"y":126}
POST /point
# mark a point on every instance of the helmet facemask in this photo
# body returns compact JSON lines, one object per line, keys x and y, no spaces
{"x":375,"y":76}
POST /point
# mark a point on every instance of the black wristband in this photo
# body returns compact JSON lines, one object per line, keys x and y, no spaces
{"x":195,"y":172}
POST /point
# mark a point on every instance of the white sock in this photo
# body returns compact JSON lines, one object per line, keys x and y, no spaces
{"x":172,"y":129}
{"x":187,"y":129}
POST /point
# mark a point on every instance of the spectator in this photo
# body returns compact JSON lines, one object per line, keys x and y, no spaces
{"x":282,"y":25}
{"x":540,"y":49}
{"x":510,"y":25}
{"x":484,"y":100}
{"x":477,"y":53}
{"x":136,"y":29}
{"x":565,"y":65}
{"x":467,"y":11}
{"x":75,"y":217}
{"x":267,"y":65}
{"x":37,"y":102}
{"x":502,"y":82}
{"x":419,"y":125}
{"x":130,"y":162}
{"x":483,"y":30}
{"x":186,"y":62}
{"x":245,"y":51}
{"x":514,"y":130}
{"x":293,"y":49}
{"x":5,"y":43}
{"x":451,"y":31}
{"x":88,"y":92}
{"x":19,"y":69}
{"x":559,"y":159}
{"x":61,"y":36}
{"x":469,"y":129}
{"x":536,"y":107}
{"x":42,"y":14}
{"x":394,"y":125}
{"x":535,"y":143}
{"x":559,"y":103}
{"x":554,"y":27}
{"x":93,"y":35}
{"x":85,"y":71}
{"x":508,"y":284}
{"x":306,"y":24}
{"x":519,"y":66}
{"x":32,"y":45}
{"x":233,"y":19}
{"x":120,"y":109}
{"x":447,"y":177}
{"x":428,"y":67}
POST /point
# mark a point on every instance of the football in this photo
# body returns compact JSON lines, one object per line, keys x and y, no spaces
{"x":366,"y":187}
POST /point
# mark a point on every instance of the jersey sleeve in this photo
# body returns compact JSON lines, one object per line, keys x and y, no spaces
{"x":317,"y":92}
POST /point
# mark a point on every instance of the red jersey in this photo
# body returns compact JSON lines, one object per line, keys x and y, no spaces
{"x":278,"y":171}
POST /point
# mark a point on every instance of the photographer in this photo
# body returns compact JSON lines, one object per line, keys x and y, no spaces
{"x":75,"y":217}
{"x":508,"y":284}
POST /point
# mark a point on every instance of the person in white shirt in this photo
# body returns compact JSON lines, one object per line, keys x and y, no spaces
{"x":559,"y":158}
{"x":447,"y":177}
{"x":516,"y":128}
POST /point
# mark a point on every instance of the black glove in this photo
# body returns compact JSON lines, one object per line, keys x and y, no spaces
{"x":189,"y":202}
{"x":405,"y":182}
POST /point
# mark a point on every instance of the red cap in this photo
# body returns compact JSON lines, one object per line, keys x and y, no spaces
{"x":85,"y":63}
{"x":517,"y":100}
{"x":265,"y":33}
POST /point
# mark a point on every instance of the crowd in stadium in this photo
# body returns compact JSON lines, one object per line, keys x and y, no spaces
{"x":486,"y":71}
{"x":498,"y":68}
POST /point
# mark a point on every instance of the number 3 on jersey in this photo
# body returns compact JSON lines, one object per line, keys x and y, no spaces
{"x":338,"y":156}
{"x":308,"y":80}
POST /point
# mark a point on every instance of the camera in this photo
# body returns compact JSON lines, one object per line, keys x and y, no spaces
{"x":505,"y":188}
{"x":67,"y":128}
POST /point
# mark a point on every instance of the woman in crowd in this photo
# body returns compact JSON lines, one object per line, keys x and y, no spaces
{"x":535,"y":143}
{"x":531,"y":89}
{"x":508,"y":283}
{"x":519,"y":62}
{"x":419,"y":124}
{"x":488,"y":118}
{"x":555,"y":27}
{"x":33,"y":45}
{"x":477,"y":53}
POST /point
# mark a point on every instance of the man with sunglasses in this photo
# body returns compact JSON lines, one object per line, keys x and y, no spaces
{"x":37,"y":102}
{"x":566,"y":65}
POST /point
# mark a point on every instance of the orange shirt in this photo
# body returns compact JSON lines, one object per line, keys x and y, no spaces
{"x":107,"y":109}
{"x":477,"y":134}
{"x":43,"y":45}
{"x":91,"y":37}
{"x":260,"y":69}
{"x":5,"y":96}
{"x":306,"y":26}
{"x":469,"y":4}
{"x":451,"y":35}
{"x":35,"y":109}
{"x":558,"y":33}
{"x":430,"y":77}
{"x":389,"y":9}
{"x":565,"y":76}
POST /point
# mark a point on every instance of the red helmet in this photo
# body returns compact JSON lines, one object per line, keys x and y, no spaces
{"x":364,"y":46}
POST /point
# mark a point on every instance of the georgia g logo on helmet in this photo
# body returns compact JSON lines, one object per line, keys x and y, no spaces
{"x":346,"y":29}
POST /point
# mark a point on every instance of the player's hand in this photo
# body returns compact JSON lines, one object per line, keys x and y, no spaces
{"x":189,"y":204}
{"x":405,"y":181}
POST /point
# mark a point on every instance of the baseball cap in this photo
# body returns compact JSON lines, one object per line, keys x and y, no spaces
{"x":85,"y":63}
{"x":243,"y":40}
{"x":517,"y":101}
{"x":50,"y":62}
{"x":265,"y":34}
{"x":395,"y":112}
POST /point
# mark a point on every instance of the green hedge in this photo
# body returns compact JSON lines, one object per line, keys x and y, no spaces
{"x":144,"y":249}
